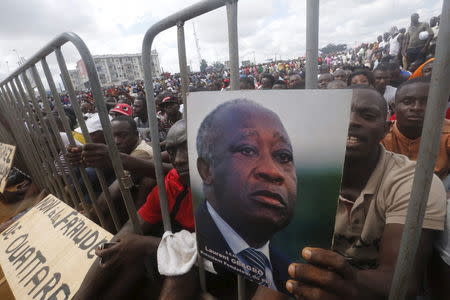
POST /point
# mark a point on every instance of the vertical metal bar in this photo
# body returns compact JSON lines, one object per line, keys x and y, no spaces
{"x":312,"y":42}
{"x":38,"y":132}
{"x":153,"y":123}
{"x":182,"y":61}
{"x":31,"y":146}
{"x":13,"y":121}
{"x":53,"y":126}
{"x":52,"y":153}
{"x":65,"y":123}
{"x":15,"y":113}
{"x":76,"y":107}
{"x":21,"y":136}
{"x":437,"y":102}
{"x":233,"y":45}
{"x":31,"y":121}
{"x":124,"y":180}
{"x":53,"y":130}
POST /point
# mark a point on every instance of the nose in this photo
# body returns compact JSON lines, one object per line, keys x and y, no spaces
{"x":418,"y":106}
{"x":269,"y":171}
{"x":117,"y":140}
{"x":354,"y":120}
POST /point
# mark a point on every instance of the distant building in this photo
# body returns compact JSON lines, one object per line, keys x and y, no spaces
{"x":116,"y":69}
{"x":77,"y":81}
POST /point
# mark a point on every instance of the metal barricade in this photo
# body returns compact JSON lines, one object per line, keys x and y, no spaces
{"x":178,"y":20}
{"x":40,"y":144}
{"x":39,"y":141}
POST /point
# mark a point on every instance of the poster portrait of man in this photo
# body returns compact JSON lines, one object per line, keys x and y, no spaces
{"x":247,"y":182}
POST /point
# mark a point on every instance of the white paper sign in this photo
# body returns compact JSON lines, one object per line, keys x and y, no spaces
{"x":47,"y":253}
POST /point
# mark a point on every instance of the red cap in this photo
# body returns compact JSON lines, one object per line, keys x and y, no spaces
{"x":123,"y":108}
{"x":169,"y":99}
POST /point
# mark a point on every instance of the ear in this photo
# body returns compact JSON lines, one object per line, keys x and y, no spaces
{"x":204,"y":169}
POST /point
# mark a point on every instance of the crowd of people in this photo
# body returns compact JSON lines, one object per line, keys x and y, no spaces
{"x":390,"y":79}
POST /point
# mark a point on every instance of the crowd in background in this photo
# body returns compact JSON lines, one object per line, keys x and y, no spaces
{"x":399,"y":62}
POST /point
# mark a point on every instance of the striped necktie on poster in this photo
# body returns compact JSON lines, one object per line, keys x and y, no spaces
{"x":259,"y":261}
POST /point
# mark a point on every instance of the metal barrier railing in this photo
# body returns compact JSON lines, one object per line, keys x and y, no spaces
{"x":178,"y":20}
{"x":39,"y":141}
{"x":429,"y":146}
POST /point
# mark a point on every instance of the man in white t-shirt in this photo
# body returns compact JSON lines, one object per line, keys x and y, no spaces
{"x":382,"y":77}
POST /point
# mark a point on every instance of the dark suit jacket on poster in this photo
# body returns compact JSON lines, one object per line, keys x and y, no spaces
{"x":208,"y":235}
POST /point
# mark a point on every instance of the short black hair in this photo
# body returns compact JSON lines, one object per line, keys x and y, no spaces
{"x":365,"y":87}
{"x":128,"y":119}
{"x":422,"y":79}
{"x":368,"y":74}
{"x":384,"y":66}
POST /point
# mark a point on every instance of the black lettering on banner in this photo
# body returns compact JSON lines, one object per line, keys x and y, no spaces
{"x":66,"y":218}
{"x":11,"y":230}
{"x":76,"y":229}
{"x":23,"y":258}
{"x":78,"y":239}
{"x":44,"y":202}
{"x":63,"y":288}
{"x":14,"y":255}
{"x":37,"y":279}
{"x":54,"y":216}
{"x":40,"y":258}
{"x":48,"y":286}
{"x":22,"y":239}
{"x":49,"y":206}
{"x":89,"y":241}
{"x":69,"y":225}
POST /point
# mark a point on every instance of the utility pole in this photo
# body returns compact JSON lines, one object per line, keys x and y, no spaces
{"x":197,"y":45}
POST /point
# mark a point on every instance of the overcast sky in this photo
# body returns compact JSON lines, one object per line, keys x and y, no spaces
{"x":266,"y":29}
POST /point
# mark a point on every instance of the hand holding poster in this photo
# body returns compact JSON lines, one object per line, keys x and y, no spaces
{"x":269,"y":166}
{"x":48,"y":251}
{"x":6,"y":160}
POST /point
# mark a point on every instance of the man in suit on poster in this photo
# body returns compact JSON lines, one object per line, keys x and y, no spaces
{"x":245,"y":160}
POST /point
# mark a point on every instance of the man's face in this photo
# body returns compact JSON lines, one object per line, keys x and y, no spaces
{"x":410,"y":104}
{"x":266,"y":83}
{"x":139,"y":108}
{"x":340,"y":75}
{"x":367,"y":124}
{"x":382,"y":78}
{"x":295,"y":82}
{"x":324,"y":79}
{"x":171,"y":108}
{"x":176,"y":146}
{"x":360,"y":79}
{"x":124,"y":137}
{"x":254,"y":177}
{"x":414,"y":18}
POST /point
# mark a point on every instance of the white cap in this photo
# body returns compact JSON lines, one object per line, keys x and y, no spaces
{"x":93,"y":124}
